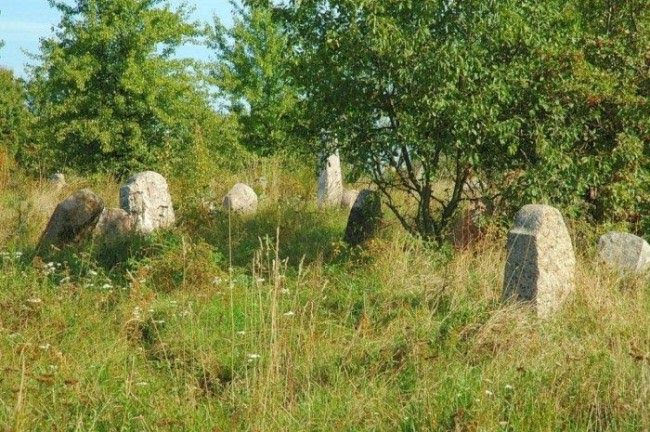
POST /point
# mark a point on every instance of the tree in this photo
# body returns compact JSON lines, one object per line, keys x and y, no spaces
{"x":14,"y":116}
{"x":107,"y":92}
{"x":426,"y":96}
{"x":251,"y":74}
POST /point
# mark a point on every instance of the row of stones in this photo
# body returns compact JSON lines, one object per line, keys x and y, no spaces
{"x":145,"y":206}
{"x":540,"y":265}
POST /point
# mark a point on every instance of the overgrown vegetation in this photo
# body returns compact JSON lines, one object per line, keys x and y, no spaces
{"x":270,"y":322}
{"x":501,"y":102}
{"x":300,"y":333}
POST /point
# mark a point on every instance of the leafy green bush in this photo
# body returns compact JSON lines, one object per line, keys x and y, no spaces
{"x":253,"y":80}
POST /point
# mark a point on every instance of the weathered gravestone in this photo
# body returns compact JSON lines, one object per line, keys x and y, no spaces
{"x":624,"y":252}
{"x":241,"y":199}
{"x":145,"y":197}
{"x":73,"y":219}
{"x":330,"y":183}
{"x":114,"y":224}
{"x":348,"y":199}
{"x":540,"y":266}
{"x":364,"y":219}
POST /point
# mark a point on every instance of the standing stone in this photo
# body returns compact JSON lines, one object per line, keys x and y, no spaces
{"x":540,"y":267}
{"x":330,"y":183}
{"x":348,"y":199}
{"x":58,"y":181}
{"x":73,"y":219}
{"x":145,"y":197}
{"x":624,"y":252}
{"x":113,"y":225}
{"x":57,"y":178}
{"x":241,"y":199}
{"x":364,"y":219}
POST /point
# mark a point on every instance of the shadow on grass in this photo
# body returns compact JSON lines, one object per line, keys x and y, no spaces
{"x":203,"y":241}
{"x":305,"y":232}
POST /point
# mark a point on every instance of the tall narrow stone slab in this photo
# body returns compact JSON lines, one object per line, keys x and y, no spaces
{"x":624,"y":252}
{"x":540,"y":267}
{"x":145,"y":197}
{"x":330,"y":183}
{"x":364,"y":219}
{"x":73,"y":219}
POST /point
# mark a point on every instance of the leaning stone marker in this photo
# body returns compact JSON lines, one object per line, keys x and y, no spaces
{"x":113,"y":225}
{"x":348,"y":199}
{"x":624,"y":252}
{"x":241,"y":199}
{"x":364,"y":218}
{"x":540,"y":266}
{"x":145,"y":197}
{"x":73,"y":219}
{"x":330,"y":183}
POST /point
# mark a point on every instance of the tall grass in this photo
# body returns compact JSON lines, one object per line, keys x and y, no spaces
{"x":270,"y":323}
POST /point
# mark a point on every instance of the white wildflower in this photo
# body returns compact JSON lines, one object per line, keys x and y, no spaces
{"x":92,"y":273}
{"x":289,"y":314}
{"x":34,"y":300}
{"x":489,"y":393}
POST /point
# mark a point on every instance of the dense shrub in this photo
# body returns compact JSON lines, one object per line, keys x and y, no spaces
{"x":107,"y":93}
{"x":252,"y":77}
{"x":531,"y":101}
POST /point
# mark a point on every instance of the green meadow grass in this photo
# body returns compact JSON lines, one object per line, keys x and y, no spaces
{"x":270,"y":323}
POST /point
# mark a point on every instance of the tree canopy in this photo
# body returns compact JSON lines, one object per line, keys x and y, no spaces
{"x":107,"y":92}
{"x":251,"y":73}
{"x":541,"y":101}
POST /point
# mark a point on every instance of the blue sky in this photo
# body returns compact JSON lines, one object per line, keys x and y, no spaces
{"x":24,"y":22}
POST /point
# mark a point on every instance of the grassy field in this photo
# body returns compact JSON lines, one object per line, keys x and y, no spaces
{"x":270,"y":323}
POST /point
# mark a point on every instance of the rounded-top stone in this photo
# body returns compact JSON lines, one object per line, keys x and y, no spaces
{"x":540,"y":267}
{"x":364,"y":219}
{"x":145,"y":197}
{"x":624,"y":252}
{"x":241,"y":199}
{"x":72,"y":220}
